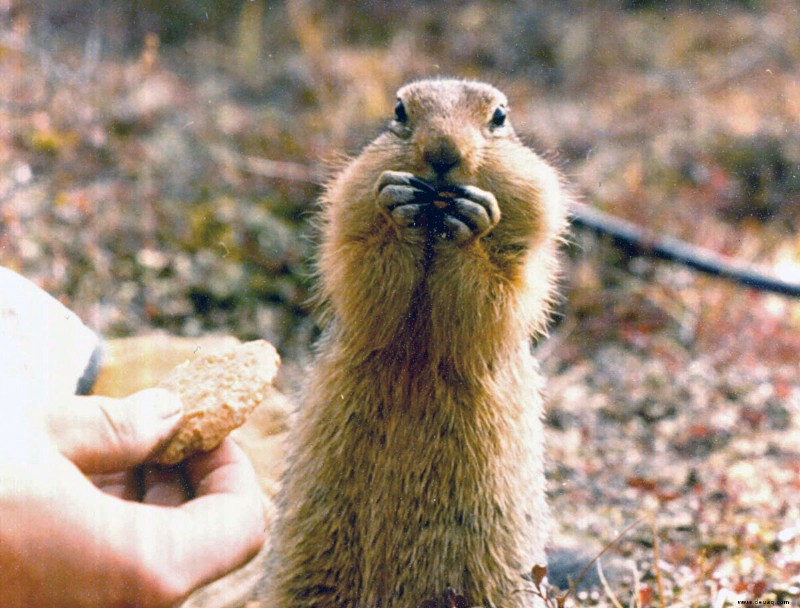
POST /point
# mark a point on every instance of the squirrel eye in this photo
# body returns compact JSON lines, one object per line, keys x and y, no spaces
{"x":400,"y":114}
{"x":499,"y":117}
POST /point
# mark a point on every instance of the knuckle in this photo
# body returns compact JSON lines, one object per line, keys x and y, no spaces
{"x":165,"y":587}
{"x":117,"y":430}
{"x":148,"y":580}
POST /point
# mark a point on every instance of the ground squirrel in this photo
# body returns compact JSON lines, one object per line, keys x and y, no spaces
{"x":416,"y":461}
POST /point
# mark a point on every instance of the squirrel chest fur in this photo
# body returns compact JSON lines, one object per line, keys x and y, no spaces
{"x":416,"y":463}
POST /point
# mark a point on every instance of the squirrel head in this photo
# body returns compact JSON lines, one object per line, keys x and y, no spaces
{"x":444,"y":128}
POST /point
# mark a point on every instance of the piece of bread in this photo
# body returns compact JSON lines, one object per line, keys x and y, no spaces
{"x":218,"y":391}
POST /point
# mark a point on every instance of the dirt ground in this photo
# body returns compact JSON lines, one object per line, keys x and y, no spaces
{"x":159,"y":165}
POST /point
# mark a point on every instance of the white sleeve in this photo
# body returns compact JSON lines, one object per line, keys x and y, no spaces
{"x":45,"y":349}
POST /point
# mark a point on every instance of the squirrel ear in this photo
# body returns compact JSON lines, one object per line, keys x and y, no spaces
{"x":400,"y":114}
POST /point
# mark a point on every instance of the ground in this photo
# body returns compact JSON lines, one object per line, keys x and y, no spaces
{"x":158,"y":168}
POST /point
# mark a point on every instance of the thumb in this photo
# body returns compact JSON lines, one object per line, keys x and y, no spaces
{"x":102,"y":435}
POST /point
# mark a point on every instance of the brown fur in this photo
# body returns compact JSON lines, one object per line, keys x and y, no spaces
{"x":416,"y":462}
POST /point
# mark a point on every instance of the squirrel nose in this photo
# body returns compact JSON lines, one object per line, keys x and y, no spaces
{"x":442,"y":155}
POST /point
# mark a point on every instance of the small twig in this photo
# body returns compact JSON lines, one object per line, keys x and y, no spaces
{"x":272,"y":169}
{"x":583,"y":572}
{"x":279,"y":169}
{"x":656,"y":565}
{"x":637,"y":590}
{"x":721,"y":597}
{"x":606,"y":587}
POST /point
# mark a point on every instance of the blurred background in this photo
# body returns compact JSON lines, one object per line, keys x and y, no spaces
{"x":159,"y":163}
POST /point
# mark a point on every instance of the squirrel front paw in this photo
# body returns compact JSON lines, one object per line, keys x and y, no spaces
{"x":468,"y":212}
{"x":458,"y":213}
{"x":404,"y":198}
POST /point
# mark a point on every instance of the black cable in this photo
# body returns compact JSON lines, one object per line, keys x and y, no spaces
{"x":637,"y":241}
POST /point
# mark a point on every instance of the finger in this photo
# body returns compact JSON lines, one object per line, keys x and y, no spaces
{"x":124,"y":485}
{"x":223,"y":470}
{"x":85,"y":548}
{"x":472,"y":214}
{"x":392,"y":196}
{"x":482,"y":197}
{"x":212,"y":534}
{"x":228,"y":509}
{"x":166,"y":487}
{"x":101,"y":435}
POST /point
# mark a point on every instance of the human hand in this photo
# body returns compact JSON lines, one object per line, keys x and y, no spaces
{"x":80,"y":526}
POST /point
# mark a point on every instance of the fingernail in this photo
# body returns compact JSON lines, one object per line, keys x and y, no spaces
{"x":167,"y":405}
